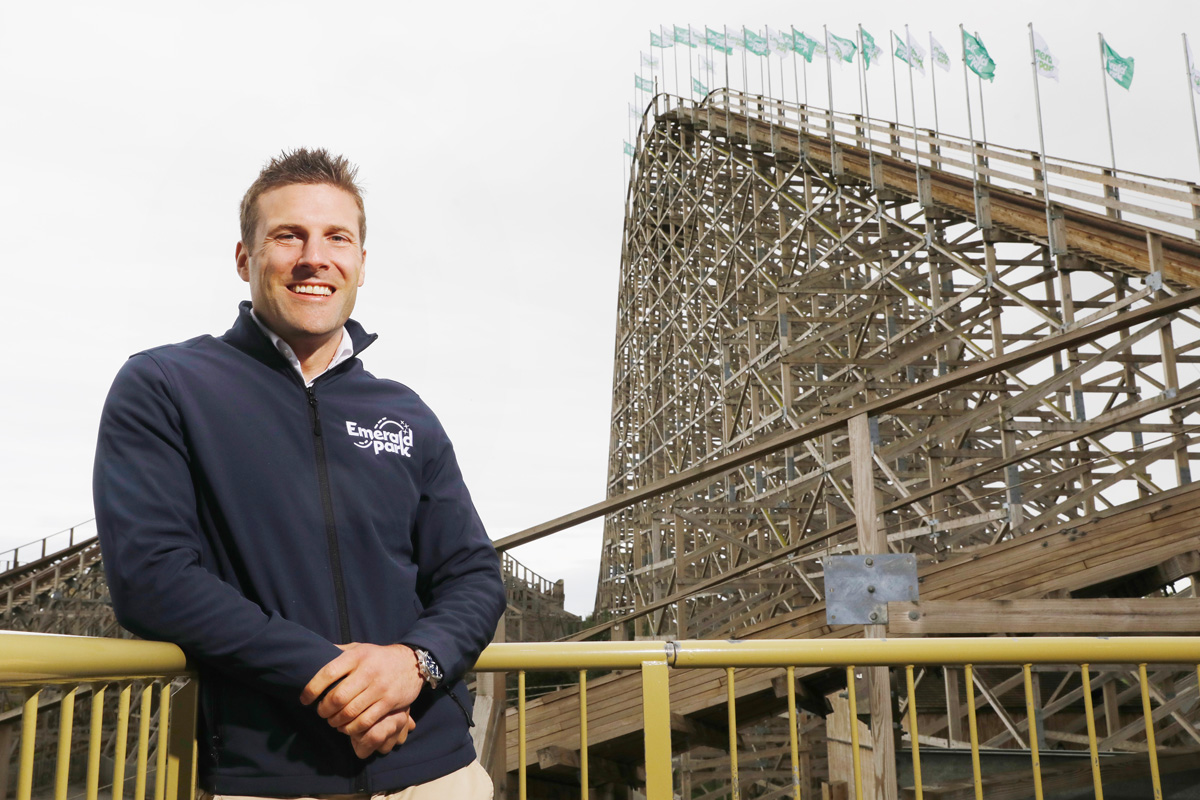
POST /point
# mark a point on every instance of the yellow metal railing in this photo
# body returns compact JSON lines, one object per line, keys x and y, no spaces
{"x":49,"y":673}
{"x":40,"y":664}
{"x":657,"y":659}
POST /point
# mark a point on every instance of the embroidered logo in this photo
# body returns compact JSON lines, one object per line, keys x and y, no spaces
{"x":388,"y":436}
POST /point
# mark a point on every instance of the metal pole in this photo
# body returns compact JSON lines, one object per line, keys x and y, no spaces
{"x":691,"y":86}
{"x":674,"y":59}
{"x":795,"y":69}
{"x":892,"y":39}
{"x":982,"y":116}
{"x":1037,"y":99}
{"x":937,"y":128}
{"x":912,"y":97}
{"x":1187,"y":60}
{"x":725,"y":41}
{"x":829,"y":80}
{"x":962,"y":42}
{"x":866,"y":91}
{"x":1112,"y":150}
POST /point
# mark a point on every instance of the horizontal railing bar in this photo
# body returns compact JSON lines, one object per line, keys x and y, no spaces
{"x":38,"y":658}
{"x":771,"y":653}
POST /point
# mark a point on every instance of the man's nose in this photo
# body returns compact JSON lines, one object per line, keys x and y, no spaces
{"x":315,"y":253}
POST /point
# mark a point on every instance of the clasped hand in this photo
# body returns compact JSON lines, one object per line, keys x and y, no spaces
{"x":376,"y":685}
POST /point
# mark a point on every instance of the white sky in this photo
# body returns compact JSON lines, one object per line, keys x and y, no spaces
{"x":489,"y":139}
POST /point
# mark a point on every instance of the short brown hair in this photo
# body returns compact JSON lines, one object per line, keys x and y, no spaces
{"x":302,"y":166}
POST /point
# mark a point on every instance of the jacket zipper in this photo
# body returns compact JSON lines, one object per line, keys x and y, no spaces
{"x":331,"y":538}
{"x":461,"y":707}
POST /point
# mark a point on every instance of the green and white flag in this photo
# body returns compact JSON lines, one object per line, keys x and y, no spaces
{"x":938,"y":54}
{"x":698,"y":87}
{"x":978,"y":59}
{"x":716,"y":40}
{"x":641,"y":83}
{"x":870,"y":49}
{"x":649,"y":60}
{"x":905,"y":53}
{"x":633,"y":112}
{"x":657,"y":40}
{"x":629,"y":151}
{"x":756,"y":44}
{"x":917,"y":54}
{"x":705,"y":61}
{"x":1119,"y":69}
{"x":805,"y":46}
{"x":780,"y":41}
{"x":1047,"y":64}
{"x":841,"y":49}
{"x":684,"y":36}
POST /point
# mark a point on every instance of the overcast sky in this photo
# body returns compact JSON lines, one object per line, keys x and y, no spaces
{"x":489,"y":139}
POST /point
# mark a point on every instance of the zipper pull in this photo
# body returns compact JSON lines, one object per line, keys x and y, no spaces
{"x":312,"y":403}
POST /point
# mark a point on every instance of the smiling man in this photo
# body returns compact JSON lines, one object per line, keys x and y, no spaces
{"x":298,"y":526}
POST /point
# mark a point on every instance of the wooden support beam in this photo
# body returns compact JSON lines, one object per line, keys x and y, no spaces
{"x":1084,"y":616}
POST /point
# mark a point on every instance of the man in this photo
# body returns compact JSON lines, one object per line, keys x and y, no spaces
{"x":299,"y":527}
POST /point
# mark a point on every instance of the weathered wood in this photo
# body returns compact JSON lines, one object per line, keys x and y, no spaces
{"x":1093,"y":616}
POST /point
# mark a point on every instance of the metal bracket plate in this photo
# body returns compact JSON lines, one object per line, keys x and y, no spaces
{"x":858,"y":588}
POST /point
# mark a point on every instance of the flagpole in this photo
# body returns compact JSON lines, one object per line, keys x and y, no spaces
{"x":1037,"y":99}
{"x":745,"y":72}
{"x":691,"y":86}
{"x":725,"y":41}
{"x":982,"y":115}
{"x":1112,"y":150}
{"x":937,"y":128}
{"x":866,"y":91}
{"x":674,"y":59}
{"x":1187,"y":63}
{"x":912,"y":96}
{"x":962,"y":42}
{"x":796,"y":69}
{"x":829,"y":81}
{"x":895,"y":95}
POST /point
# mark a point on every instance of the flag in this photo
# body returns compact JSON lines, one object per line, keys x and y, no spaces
{"x":978,"y":59}
{"x":941,"y":59}
{"x":657,"y":40}
{"x":841,"y":49}
{"x":705,"y":61}
{"x":629,"y":149}
{"x":917,"y":54}
{"x":1195,"y":73}
{"x":904,"y":52}
{"x":649,"y":60}
{"x":633,"y":112}
{"x":1047,"y":64}
{"x":805,"y":46}
{"x":698,"y":87}
{"x":870,"y":49}
{"x":756,"y":44}
{"x":698,"y":36}
{"x":1119,"y":69}
{"x":780,"y":41}
{"x":641,"y":83}
{"x":716,"y":40}
{"x":684,"y":36}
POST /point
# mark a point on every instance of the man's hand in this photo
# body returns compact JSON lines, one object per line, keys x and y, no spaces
{"x":381,"y":737}
{"x":375,"y":687}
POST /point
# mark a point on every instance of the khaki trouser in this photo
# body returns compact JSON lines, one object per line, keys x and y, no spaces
{"x":469,"y":783}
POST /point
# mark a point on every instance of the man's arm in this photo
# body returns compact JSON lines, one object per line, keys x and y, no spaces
{"x":463,"y":593}
{"x":150,"y":537}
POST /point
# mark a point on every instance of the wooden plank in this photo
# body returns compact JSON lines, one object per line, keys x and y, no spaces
{"x":1086,"y":616}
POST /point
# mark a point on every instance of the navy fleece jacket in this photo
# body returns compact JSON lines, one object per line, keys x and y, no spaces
{"x":256,"y":523}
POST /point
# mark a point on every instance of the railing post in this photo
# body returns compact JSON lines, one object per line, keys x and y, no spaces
{"x":181,"y":742}
{"x":656,"y":719}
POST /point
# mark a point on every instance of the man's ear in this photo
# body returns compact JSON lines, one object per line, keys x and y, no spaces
{"x":242,"y":256}
{"x":362,"y":269}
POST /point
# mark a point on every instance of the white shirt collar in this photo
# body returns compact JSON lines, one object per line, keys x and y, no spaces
{"x":345,"y":350}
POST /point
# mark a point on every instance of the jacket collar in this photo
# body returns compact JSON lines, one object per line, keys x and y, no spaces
{"x":246,"y":336}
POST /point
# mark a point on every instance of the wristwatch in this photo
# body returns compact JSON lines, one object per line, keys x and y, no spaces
{"x":427,"y":667}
